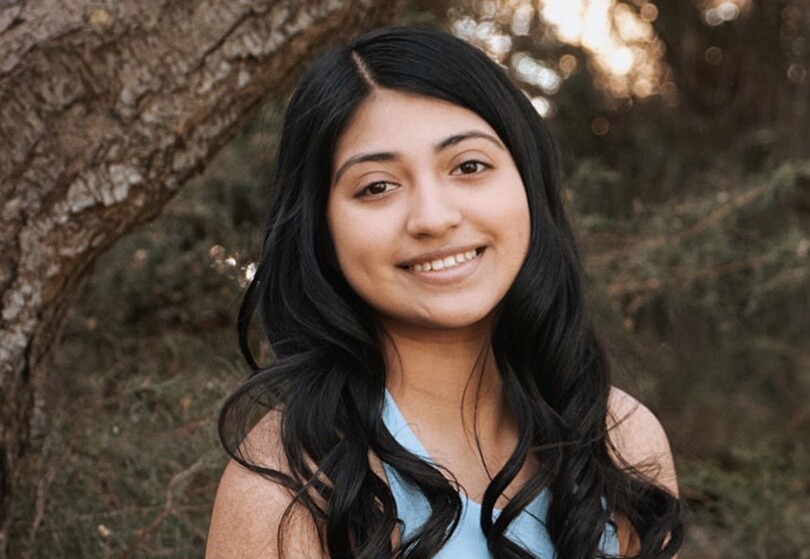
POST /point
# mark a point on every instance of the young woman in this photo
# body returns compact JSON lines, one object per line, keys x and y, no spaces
{"x":437,"y":389}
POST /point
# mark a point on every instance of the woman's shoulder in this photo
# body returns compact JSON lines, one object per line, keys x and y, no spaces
{"x":639,"y":439}
{"x":249,"y":508}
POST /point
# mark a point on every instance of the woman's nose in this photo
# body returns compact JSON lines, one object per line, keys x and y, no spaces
{"x":433,"y":210}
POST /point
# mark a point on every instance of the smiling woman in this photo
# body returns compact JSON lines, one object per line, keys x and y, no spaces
{"x":437,"y":390}
{"x":434,"y":233}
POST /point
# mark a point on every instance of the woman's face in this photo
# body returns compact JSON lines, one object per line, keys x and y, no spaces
{"x":427,"y":211}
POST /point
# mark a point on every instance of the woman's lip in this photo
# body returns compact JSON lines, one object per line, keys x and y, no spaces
{"x":448,"y":275}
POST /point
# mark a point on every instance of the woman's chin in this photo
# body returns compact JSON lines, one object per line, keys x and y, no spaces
{"x":442,"y":319}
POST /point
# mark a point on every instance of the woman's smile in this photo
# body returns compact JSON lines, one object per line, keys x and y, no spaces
{"x":444,"y":270}
{"x":429,"y":220}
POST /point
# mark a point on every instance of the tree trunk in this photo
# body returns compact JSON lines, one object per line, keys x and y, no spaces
{"x":106,"y":108}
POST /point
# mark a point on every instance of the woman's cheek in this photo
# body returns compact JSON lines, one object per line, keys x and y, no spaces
{"x":364,"y":244}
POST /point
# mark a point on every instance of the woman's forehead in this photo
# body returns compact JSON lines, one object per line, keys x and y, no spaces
{"x":390,"y":119}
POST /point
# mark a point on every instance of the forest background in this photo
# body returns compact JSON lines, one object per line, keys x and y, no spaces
{"x":685,"y":136}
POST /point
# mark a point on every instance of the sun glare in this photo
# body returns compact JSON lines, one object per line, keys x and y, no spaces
{"x":620,"y":40}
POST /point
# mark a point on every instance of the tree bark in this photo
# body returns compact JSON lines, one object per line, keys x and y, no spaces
{"x":106,"y":108}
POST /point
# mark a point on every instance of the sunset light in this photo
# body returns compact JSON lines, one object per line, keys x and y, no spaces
{"x":621,"y":41}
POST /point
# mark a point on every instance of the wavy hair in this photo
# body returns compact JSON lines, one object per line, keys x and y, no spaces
{"x":327,"y":376}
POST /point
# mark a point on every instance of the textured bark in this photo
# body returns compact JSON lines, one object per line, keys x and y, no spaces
{"x":106,"y":108}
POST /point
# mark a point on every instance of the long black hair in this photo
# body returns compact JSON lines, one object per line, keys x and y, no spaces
{"x":327,"y":376}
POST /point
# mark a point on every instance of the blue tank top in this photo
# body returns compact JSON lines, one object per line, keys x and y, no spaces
{"x":527,"y":529}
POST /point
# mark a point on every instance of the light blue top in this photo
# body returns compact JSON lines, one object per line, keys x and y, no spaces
{"x":527,"y":529}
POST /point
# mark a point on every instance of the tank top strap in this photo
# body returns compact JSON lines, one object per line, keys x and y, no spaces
{"x":413,"y":509}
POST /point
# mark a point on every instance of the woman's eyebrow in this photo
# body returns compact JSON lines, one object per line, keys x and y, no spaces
{"x":456,"y":138}
{"x":353,"y":160}
{"x":392,"y":156}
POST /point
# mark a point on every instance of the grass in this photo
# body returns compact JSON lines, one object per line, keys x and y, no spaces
{"x":129,"y":465}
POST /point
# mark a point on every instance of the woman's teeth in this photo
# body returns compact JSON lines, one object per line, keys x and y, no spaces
{"x":444,"y":263}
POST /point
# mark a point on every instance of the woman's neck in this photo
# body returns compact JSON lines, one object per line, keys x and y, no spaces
{"x":445,"y":377}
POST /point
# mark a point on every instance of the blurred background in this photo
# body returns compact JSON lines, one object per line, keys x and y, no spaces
{"x":686,"y":147}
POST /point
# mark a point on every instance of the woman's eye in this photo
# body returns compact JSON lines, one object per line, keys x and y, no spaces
{"x":375,"y":189}
{"x":472,"y":166}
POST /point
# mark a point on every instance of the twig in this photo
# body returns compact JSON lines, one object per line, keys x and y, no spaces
{"x":620,"y":288}
{"x":189,"y":524}
{"x":178,"y":481}
{"x":723,"y":269}
{"x":784,"y":348}
{"x":718,"y":215}
{"x":43,"y":486}
{"x":96,"y":516}
{"x":684,"y":278}
{"x":191,"y":425}
{"x":785,"y":278}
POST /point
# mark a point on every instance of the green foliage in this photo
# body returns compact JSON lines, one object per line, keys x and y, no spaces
{"x":709,"y":297}
{"x":718,"y":285}
{"x":758,"y":499}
